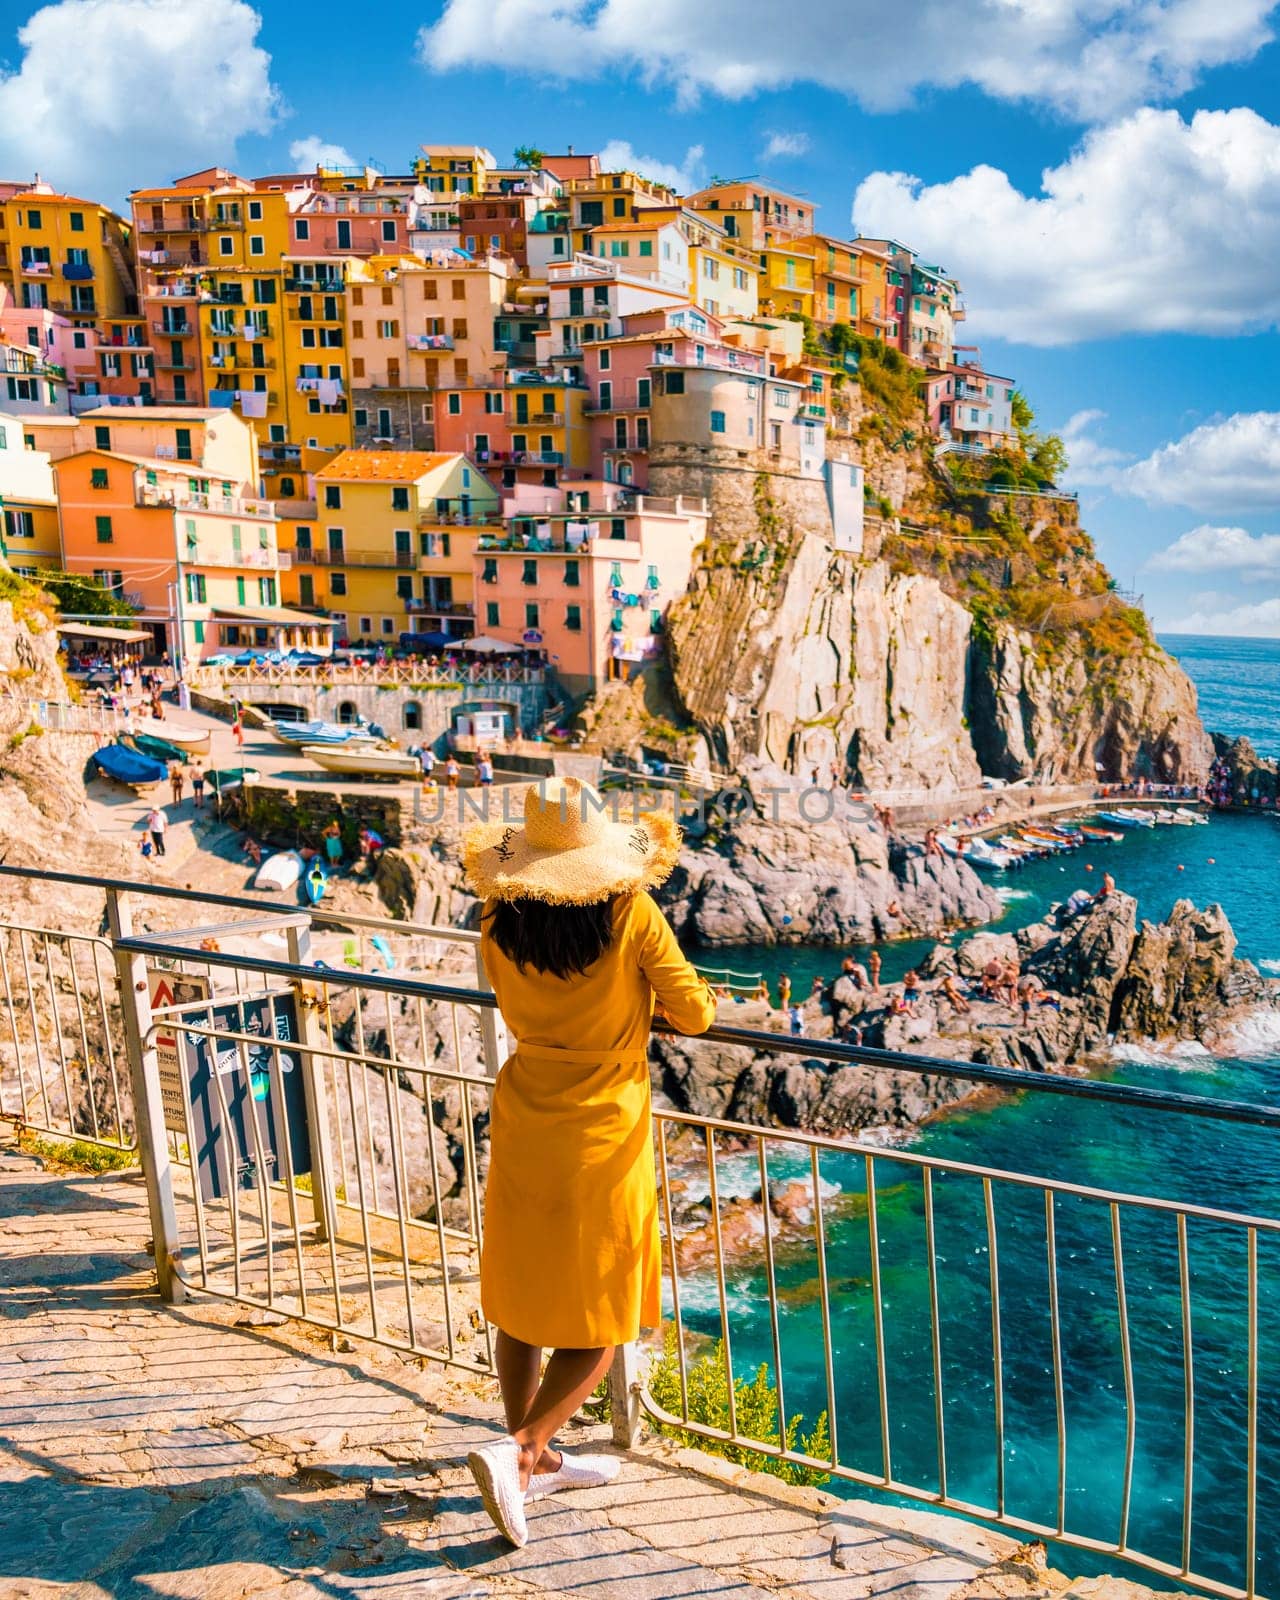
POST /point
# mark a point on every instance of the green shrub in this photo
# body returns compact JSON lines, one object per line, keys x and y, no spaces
{"x":76,"y":1155}
{"x":756,"y":1407}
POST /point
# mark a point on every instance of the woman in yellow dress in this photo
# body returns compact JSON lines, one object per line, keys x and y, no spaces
{"x":579,"y":957}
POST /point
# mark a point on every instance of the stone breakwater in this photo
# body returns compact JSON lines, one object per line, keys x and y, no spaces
{"x":1100,"y":978}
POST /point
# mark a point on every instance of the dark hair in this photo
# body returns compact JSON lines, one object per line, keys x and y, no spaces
{"x":561,"y":940}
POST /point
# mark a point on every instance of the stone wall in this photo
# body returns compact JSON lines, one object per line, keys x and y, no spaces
{"x":387,"y":707}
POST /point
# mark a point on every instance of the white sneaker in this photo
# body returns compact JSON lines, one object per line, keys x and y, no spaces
{"x":496,"y":1469}
{"x":574,"y":1472}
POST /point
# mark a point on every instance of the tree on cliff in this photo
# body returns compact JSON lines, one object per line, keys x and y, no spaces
{"x":1045,"y":451}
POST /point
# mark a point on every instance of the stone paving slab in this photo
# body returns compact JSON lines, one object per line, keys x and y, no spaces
{"x":203,"y":1452}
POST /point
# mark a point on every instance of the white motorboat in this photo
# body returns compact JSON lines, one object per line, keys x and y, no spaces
{"x":195,"y":741}
{"x":363,"y":761}
{"x":1195,"y":817}
{"x":280,"y":871}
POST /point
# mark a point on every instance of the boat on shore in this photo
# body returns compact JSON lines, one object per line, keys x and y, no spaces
{"x":157,"y":749}
{"x":303,"y":733}
{"x":192,"y":741}
{"x":363,"y":760}
{"x":231,"y":777}
{"x":316,"y":882}
{"x":279,"y":871}
{"x":126,"y":765}
{"x":1129,"y":819}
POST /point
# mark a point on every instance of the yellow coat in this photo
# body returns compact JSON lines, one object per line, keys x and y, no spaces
{"x":571,"y":1256}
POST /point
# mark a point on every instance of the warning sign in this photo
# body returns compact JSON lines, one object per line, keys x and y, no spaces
{"x":173,"y":989}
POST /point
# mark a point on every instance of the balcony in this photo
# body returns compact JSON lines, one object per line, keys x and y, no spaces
{"x":189,"y":224}
{"x":173,"y":330}
{"x":458,"y":519}
{"x":315,"y":285}
{"x":183,"y":289}
{"x":123,"y":342}
{"x":36,"y":269}
{"x":521,"y":458}
{"x":441,"y":608}
{"x":321,"y":556}
{"x":280,"y":454}
{"x":175,"y":364}
{"x":429,"y":341}
{"x":225,"y":219}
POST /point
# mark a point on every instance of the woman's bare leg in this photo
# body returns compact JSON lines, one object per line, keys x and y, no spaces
{"x":570,"y":1377}
{"x":519,"y":1365}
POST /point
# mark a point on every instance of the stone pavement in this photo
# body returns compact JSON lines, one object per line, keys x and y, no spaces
{"x":212,"y":1451}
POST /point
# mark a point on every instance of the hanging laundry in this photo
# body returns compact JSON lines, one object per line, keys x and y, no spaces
{"x":223,"y":398}
{"x":253,"y":402}
{"x":329,"y":391}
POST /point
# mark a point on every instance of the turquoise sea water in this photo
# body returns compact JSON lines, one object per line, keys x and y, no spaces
{"x":1235,"y":861}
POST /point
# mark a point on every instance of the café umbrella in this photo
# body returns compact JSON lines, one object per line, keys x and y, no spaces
{"x":485,"y":645}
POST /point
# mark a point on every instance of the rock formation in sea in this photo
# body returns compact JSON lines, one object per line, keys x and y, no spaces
{"x":1109,"y":980}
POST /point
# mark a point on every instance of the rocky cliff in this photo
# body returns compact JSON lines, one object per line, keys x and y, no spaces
{"x":974,"y":633}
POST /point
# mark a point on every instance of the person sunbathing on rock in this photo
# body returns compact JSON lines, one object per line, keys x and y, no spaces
{"x":955,"y":998}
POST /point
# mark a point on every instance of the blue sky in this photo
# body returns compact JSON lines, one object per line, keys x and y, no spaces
{"x":1108,"y":190}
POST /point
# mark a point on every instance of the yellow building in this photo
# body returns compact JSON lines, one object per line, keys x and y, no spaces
{"x":28,"y":501}
{"x":386,"y":547}
{"x":66,"y":255}
{"x":449,"y":172}
{"x":609,"y":197}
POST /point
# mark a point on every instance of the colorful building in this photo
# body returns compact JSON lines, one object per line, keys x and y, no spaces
{"x":28,"y":501}
{"x":386,"y":546}
{"x":586,"y":574}
{"x":969,"y":405}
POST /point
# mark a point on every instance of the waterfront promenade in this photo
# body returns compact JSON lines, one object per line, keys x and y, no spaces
{"x":210,"y":1451}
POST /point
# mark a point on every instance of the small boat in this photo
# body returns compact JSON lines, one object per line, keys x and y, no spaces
{"x":194,"y":741}
{"x":231,"y":777}
{"x":1128,"y":819}
{"x":1196,"y":817}
{"x":1101,"y":834}
{"x":280,"y":871}
{"x":298,"y":733}
{"x":1174,"y":819}
{"x":316,"y":882}
{"x":157,"y":749}
{"x":363,"y":760}
{"x":129,"y":766}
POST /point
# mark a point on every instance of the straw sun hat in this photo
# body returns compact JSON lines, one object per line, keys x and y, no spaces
{"x":570,"y":850}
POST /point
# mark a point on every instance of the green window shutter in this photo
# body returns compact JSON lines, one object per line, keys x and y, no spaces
{"x":240,"y":591}
{"x":199,"y":628}
{"x":105,"y":535}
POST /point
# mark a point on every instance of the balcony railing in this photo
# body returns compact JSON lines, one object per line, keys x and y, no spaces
{"x":428,"y":342}
{"x":440,"y":608}
{"x":322,"y":556}
{"x":180,"y":330}
{"x":174,"y":364}
{"x":315,"y":285}
{"x":36,"y":269}
{"x":173,"y":225}
{"x":458,"y":519}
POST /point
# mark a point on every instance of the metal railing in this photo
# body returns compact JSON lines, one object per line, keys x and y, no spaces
{"x":324,"y":1156}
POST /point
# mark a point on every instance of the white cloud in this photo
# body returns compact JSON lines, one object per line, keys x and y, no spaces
{"x":1214,"y":549}
{"x":1228,"y":465}
{"x":1086,"y":58}
{"x":1152,"y":225}
{"x":311,"y":152}
{"x":619,"y":156}
{"x":1091,"y":464}
{"x":110,"y":95}
{"x":1258,"y":621}
{"x":788,"y":145}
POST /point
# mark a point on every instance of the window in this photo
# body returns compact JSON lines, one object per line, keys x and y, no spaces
{"x":182,"y":444}
{"x":360,"y":417}
{"x":404,"y":588}
{"x":101,"y":437}
{"x":573,"y":619}
{"x":77,"y":222}
{"x":782,"y":399}
{"x":646,"y":247}
{"x":491,"y":619}
{"x":459,"y":289}
{"x":530,"y":573}
{"x":332,"y":497}
{"x":264,"y":292}
{"x":620,"y":208}
{"x":655,"y":620}
{"x":453,"y":405}
{"x":619,"y":247}
{"x":20,"y":524}
{"x":618,"y":530}
{"x":531,"y":614}
{"x":257,"y":245}
{"x":266,"y":591}
{"x":493,"y":403}
{"x":306,"y":589}
{"x":430,"y":289}
{"x":400,"y":499}
{"x":198,"y":629}
{"x":301,"y":228}
{"x":605,"y":401}
{"x":103,"y":525}
{"x":490,"y":572}
{"x":389,"y":232}
{"x":33,"y":219}
{"x":344,"y":234}
{"x":226,"y":244}
{"x":459,"y":328}
{"x":572,"y":576}
{"x":337,"y":583}
{"x":717,"y":422}
{"x":385,"y":431}
{"x":673,"y":382}
{"x":388,"y":330}
{"x":196,"y":588}
{"x":620,"y":433}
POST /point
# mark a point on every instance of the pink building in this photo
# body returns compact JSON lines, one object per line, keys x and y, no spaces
{"x":586,"y":573}
{"x":619,"y":378}
{"x":968,"y":405}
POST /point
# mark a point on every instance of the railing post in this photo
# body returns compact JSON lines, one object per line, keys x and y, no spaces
{"x":624,"y":1396}
{"x":313,"y":1084}
{"x":148,"y":1102}
{"x":494,"y":1044}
